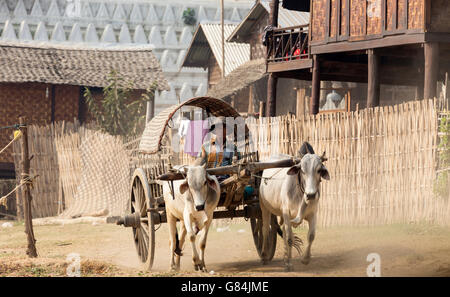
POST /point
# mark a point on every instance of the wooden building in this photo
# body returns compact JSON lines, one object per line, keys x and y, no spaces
{"x":45,"y":83}
{"x":205,"y":51}
{"x":251,"y":31}
{"x":396,"y":42}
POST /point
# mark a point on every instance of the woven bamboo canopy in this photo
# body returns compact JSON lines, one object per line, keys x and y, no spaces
{"x":154,"y":131}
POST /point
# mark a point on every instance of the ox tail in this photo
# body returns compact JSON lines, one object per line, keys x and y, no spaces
{"x":297,"y":242}
{"x":177,"y":246}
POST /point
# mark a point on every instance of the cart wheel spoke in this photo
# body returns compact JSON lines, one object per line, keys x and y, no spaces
{"x":256,"y":224}
{"x":144,"y":233}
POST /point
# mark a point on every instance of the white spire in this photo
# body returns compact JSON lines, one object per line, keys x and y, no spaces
{"x":201,"y":90}
{"x":185,"y":92}
{"x":139,"y":35}
{"x":166,"y":60}
{"x":24,"y":32}
{"x":8,"y":31}
{"x":168,"y":17}
{"x":235,"y":17}
{"x":20,"y":10}
{"x":75,"y":34}
{"x":124,"y":35}
{"x":201,"y":15}
{"x":217,"y":16}
{"x":53,"y":10}
{"x":171,"y":95}
{"x":136,"y":15}
{"x":119,"y":13}
{"x":58,"y":33}
{"x":152,"y":17}
{"x":41,"y":32}
{"x":162,"y":96}
{"x":91,"y":34}
{"x":155,"y":37}
{"x":36,"y":11}
{"x":4,"y":11}
{"x":180,"y":58}
{"x":102,"y":12}
{"x":170,"y":38}
{"x":86,"y":11}
{"x":186,"y":36}
{"x":108,"y":35}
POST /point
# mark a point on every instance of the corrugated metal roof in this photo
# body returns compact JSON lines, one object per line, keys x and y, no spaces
{"x":235,"y":53}
{"x":208,"y":39}
{"x":289,"y":18}
{"x":286,"y":18}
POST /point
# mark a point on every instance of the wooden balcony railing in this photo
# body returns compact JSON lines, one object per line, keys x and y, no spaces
{"x":288,"y":44}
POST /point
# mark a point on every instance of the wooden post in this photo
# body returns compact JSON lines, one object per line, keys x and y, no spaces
{"x":315,"y":93}
{"x":431,"y":52}
{"x":150,"y":110}
{"x":262,"y":108}
{"x":271,"y":95}
{"x":273,"y":16}
{"x":272,"y":80}
{"x":31,"y":249}
{"x":419,"y":88}
{"x":300,"y":110}
{"x":373,"y":81}
{"x":223,"y":36}
{"x":250,"y":110}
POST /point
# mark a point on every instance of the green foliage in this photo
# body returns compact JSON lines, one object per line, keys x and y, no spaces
{"x":442,"y":185}
{"x":118,"y":113}
{"x":189,"y":16}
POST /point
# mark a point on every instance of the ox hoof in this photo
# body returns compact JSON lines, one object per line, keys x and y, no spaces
{"x":200,"y":267}
{"x":306,"y":260}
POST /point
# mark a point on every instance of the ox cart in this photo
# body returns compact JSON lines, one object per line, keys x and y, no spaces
{"x":156,"y":162}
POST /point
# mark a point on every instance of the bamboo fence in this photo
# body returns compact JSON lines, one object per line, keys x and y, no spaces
{"x":45,"y":191}
{"x":382,"y":161}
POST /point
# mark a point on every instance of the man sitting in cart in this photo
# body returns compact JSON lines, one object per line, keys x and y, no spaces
{"x":216,"y":151}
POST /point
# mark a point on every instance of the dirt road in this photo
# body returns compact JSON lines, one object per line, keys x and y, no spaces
{"x":405,"y":250}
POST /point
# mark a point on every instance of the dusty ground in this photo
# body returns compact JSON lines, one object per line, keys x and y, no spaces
{"x":107,"y":250}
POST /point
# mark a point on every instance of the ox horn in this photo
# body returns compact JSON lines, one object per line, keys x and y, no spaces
{"x":323,"y":158}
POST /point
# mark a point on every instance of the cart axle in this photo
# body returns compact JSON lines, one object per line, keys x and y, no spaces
{"x":134,"y":220}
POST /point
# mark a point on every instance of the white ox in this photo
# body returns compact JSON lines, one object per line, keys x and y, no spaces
{"x":293,"y":194}
{"x":196,"y":197}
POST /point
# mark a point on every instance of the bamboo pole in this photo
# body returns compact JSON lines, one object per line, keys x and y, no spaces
{"x":31,"y":248}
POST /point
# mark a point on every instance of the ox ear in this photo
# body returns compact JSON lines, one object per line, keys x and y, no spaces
{"x":212,"y":183}
{"x":324,"y":173}
{"x":184,"y":187}
{"x":294,"y":170}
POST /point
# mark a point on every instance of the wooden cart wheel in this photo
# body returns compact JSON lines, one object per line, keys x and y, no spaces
{"x":256,"y":224}
{"x":142,"y":201}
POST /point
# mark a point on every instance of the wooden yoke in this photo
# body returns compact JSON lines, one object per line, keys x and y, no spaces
{"x":242,"y":169}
